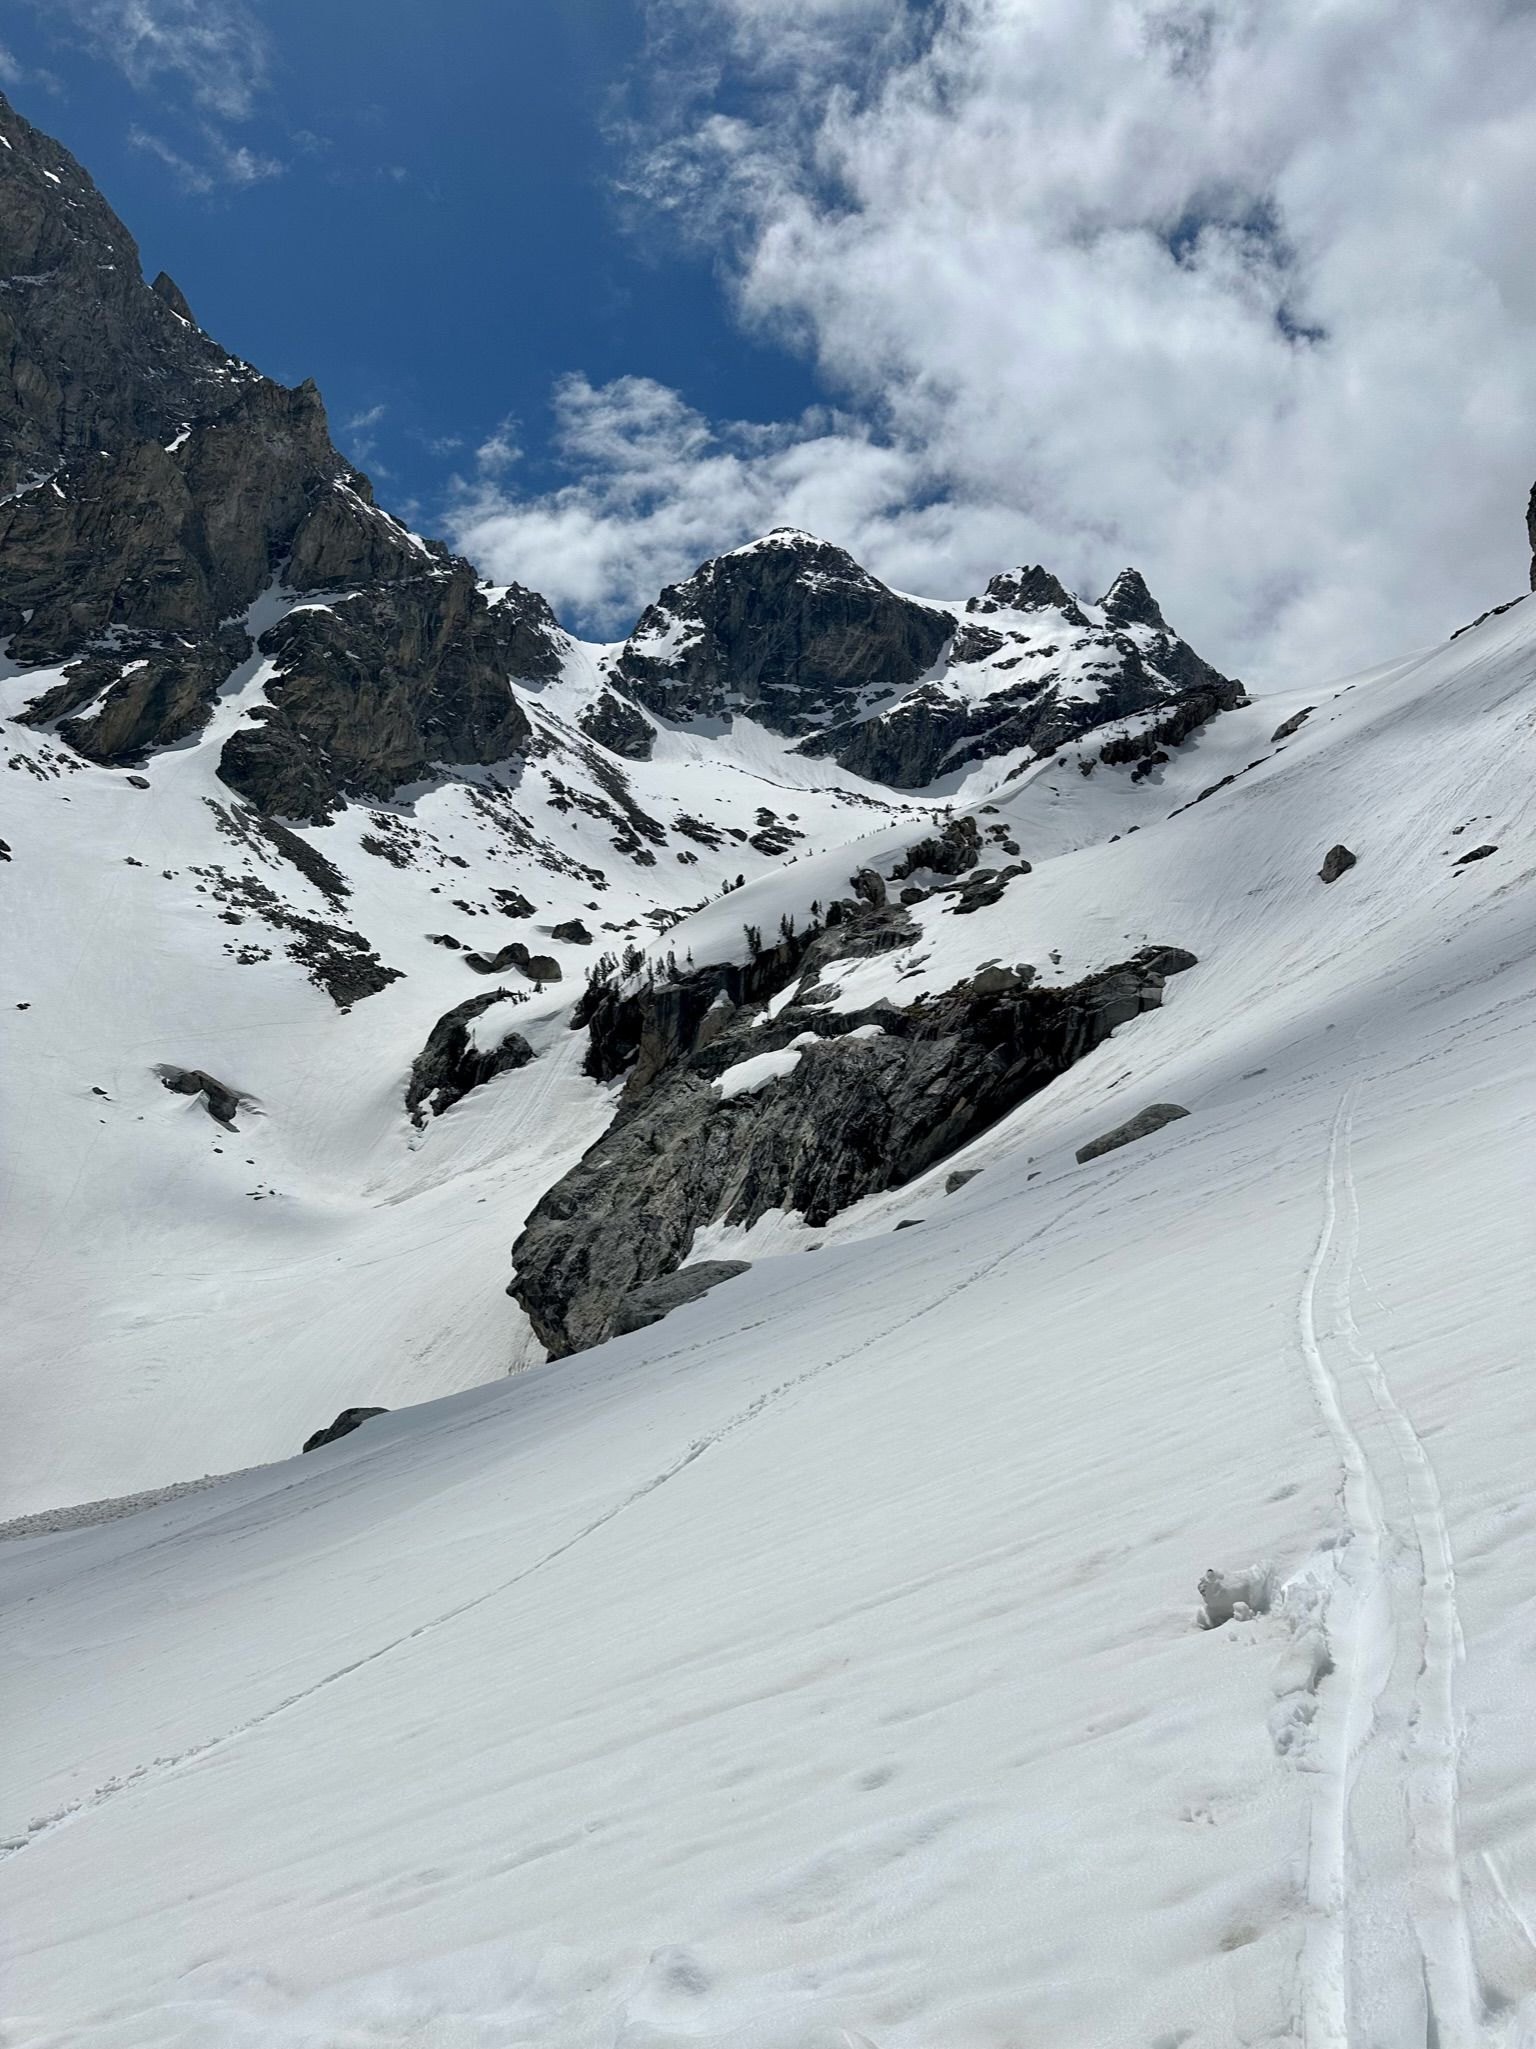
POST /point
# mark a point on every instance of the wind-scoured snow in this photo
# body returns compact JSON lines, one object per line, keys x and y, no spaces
{"x":821,"y":1665}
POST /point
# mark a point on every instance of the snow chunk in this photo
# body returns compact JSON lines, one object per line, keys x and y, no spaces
{"x":748,"y":1076}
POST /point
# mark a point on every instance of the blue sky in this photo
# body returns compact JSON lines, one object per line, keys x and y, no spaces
{"x":422,"y":208}
{"x":1243,"y":294}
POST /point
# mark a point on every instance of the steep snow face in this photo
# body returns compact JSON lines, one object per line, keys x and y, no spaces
{"x":821,"y":1665}
{"x":185,"y":1299}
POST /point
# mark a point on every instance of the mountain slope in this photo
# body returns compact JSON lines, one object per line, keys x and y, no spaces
{"x":820,"y":1664}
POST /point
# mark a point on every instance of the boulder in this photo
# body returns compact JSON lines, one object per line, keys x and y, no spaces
{"x":344,"y":1425}
{"x":219,"y":1100}
{"x":1153,"y":1118}
{"x":1336,"y":862}
{"x":658,"y":1298}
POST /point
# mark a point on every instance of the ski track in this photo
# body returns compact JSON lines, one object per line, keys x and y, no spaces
{"x":1395,"y":1640}
{"x":161,"y":1768}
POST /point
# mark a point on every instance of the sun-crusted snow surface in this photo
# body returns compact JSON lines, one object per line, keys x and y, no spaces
{"x":819,"y":1666}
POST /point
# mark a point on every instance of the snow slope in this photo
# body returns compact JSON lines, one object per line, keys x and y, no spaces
{"x":819,"y":1666}
{"x":183,"y":1300}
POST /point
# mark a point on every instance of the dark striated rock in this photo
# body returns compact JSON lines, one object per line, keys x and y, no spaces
{"x":854,"y":1116}
{"x":649,"y":1304}
{"x":344,"y":1425}
{"x":219,"y":1100}
{"x":94,"y":359}
{"x":157,"y":487}
{"x":1128,"y":602}
{"x":939,"y":727}
{"x":450,"y":1064}
{"x":1031,"y":589}
{"x":1142,"y":1125}
{"x":384,"y":688}
{"x":1336,"y":862}
{"x":1477,"y":854}
{"x":788,"y":631}
{"x":950,"y":851}
{"x":619,"y":726}
{"x":953,"y":1183}
{"x":145,"y":694}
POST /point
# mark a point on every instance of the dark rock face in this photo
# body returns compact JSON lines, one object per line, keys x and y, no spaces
{"x":949,"y":852}
{"x":450,"y":1064}
{"x":1142,"y":1125}
{"x":619,"y":726}
{"x":1336,"y":862}
{"x":1530,"y":528}
{"x":1293,"y":724}
{"x":649,"y":1304}
{"x":938,"y":728}
{"x":94,"y":360}
{"x":160,"y":486}
{"x":1477,"y":854}
{"x":375,"y":691}
{"x":854,"y":1116}
{"x":788,"y":631}
{"x":344,"y":1425}
{"x":1031,"y":589}
{"x":573,"y":932}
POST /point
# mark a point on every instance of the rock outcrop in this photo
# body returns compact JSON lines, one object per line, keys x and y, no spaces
{"x":865,"y":1101}
{"x":453,"y":1061}
{"x":1336,"y":862}
{"x":1041,"y":672}
{"x":348,"y":1421}
{"x":1530,"y":528}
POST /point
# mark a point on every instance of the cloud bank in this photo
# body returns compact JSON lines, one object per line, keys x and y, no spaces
{"x":1243,"y":292}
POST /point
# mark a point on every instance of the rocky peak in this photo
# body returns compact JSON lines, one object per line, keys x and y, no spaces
{"x":1530,"y":527}
{"x":165,"y":287}
{"x":161,"y":486}
{"x":95,"y":358}
{"x":1031,"y":589}
{"x":788,"y":629}
{"x":1128,"y":602}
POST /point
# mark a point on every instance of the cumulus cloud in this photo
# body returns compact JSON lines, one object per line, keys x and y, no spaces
{"x":1240,"y":292}
{"x":653,"y":487}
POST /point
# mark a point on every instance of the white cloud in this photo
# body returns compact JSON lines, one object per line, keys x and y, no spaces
{"x":220,"y":164}
{"x":1240,"y":291}
{"x":217,"y":49}
{"x":654,"y":488}
{"x":499,"y":450}
{"x":369,"y":417}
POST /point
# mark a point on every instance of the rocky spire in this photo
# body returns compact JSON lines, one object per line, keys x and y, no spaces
{"x":1128,"y":602}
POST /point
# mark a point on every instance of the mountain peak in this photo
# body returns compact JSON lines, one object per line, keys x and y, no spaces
{"x":1128,"y":602}
{"x":1030,"y":589}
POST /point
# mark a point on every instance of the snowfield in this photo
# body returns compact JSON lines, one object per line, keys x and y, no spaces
{"x":820,"y":1666}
